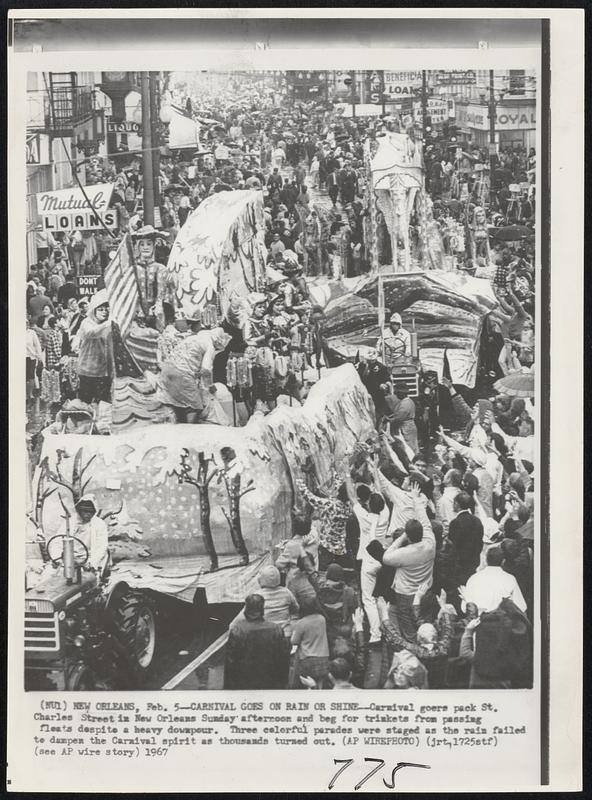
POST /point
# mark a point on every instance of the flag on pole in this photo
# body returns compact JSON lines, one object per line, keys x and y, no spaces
{"x":122,"y":287}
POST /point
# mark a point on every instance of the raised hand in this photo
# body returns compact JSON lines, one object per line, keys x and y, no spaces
{"x":310,"y":683}
{"x":415,"y":490}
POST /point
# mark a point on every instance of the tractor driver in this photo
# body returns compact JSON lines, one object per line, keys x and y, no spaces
{"x":397,"y":340}
{"x":92,"y":530}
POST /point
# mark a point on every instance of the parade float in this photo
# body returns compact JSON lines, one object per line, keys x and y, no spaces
{"x":194,"y":512}
{"x":218,"y":258}
{"x":219,"y":253}
{"x":440,"y":303}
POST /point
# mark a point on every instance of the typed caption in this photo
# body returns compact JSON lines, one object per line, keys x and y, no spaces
{"x":128,"y":730}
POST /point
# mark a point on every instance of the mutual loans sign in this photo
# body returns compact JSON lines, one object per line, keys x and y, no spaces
{"x":69,"y":209}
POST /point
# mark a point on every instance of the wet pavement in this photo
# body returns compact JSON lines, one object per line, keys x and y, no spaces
{"x":183,"y":636}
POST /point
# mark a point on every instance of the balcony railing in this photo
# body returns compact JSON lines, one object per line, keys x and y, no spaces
{"x":70,"y":106}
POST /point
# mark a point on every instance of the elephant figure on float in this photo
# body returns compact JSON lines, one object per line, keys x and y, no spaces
{"x":397,"y":176}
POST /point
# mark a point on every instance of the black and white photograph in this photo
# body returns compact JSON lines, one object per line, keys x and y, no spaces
{"x":295,"y":334}
{"x":280,"y":379}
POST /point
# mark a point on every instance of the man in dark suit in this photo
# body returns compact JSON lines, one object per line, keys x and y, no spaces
{"x":374,"y":375}
{"x":466,"y":533}
{"x":257,"y":652}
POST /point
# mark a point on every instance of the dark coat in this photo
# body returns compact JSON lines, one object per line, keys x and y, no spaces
{"x":257,"y":656}
{"x":372,"y":376}
{"x":466,"y":533}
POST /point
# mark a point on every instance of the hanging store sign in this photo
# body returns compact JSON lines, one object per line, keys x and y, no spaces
{"x":37,"y":149}
{"x":402,"y":84}
{"x":437,"y":110}
{"x":507,"y":118}
{"x":455,"y":77}
{"x":127,"y":126}
{"x":69,"y":209}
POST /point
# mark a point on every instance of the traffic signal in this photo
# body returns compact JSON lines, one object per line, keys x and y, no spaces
{"x":428,"y":124}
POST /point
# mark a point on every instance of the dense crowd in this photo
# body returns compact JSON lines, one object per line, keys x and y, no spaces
{"x":417,"y":571}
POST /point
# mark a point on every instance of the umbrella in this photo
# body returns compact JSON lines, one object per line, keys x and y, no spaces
{"x":512,"y":233}
{"x":454,"y":205}
{"x":503,"y":175}
{"x":173,"y":187}
{"x":516,"y":384}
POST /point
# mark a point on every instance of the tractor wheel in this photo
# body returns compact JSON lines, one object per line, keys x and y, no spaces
{"x":81,"y":679}
{"x":135,"y":628}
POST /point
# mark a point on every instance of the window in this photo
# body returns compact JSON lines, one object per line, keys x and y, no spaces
{"x":517,"y":82}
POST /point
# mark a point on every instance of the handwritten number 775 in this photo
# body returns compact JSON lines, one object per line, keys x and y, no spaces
{"x":380,"y":764}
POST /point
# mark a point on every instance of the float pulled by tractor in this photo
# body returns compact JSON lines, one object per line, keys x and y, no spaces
{"x":182,"y":522}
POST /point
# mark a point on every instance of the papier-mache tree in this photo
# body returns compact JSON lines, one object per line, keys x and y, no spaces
{"x":201,"y":481}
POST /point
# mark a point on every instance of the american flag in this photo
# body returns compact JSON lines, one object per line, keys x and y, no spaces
{"x":121,"y":285}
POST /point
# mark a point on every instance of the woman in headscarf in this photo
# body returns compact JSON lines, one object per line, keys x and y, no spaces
{"x":96,"y":362}
{"x":281,"y":606}
{"x":406,"y":672}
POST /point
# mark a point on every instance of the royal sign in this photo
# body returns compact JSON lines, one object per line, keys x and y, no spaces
{"x":507,"y":118}
{"x":69,"y":209}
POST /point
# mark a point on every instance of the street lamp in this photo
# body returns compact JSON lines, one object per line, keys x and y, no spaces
{"x":165,"y":114}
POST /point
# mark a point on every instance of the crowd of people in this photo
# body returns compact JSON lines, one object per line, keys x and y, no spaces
{"x":417,"y":571}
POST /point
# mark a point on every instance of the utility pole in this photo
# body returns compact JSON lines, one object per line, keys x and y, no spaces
{"x":147,"y":168}
{"x":424,"y":104}
{"x":153,"y":83}
{"x":492,"y":153}
{"x":382,"y":92}
{"x":353,"y":92}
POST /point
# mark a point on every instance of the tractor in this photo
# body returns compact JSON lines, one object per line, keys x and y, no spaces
{"x":84,"y":630}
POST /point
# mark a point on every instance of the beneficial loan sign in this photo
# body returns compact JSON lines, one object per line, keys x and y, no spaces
{"x":69,"y":209}
{"x":402,"y":84}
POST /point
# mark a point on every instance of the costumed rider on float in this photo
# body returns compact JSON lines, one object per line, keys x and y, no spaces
{"x":396,"y":341}
{"x":399,"y":356}
{"x":185,"y":381}
{"x":150,"y":275}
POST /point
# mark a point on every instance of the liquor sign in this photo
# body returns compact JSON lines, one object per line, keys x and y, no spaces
{"x":402,"y":84}
{"x":37,"y":149}
{"x":127,"y":126}
{"x":88,"y":285}
{"x":456,"y":77}
{"x":69,"y":209}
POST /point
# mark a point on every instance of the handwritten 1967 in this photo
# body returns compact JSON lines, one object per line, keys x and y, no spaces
{"x":380,"y":764}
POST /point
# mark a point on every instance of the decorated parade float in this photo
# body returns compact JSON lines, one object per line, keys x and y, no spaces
{"x":441,"y":305}
{"x":195,"y":511}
